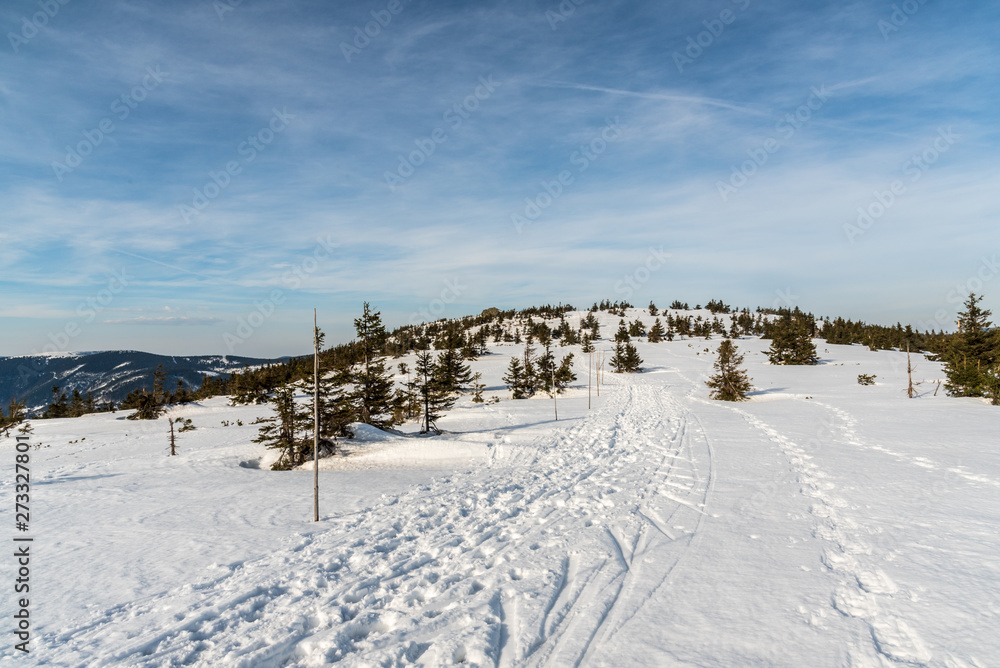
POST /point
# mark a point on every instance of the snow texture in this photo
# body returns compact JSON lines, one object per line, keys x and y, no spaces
{"x":822,"y":523}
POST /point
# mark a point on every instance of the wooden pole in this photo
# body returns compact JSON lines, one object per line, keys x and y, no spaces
{"x":315,"y":419}
{"x":590,"y":369}
{"x":555,"y":403}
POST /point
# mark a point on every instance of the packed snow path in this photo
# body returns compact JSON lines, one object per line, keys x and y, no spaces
{"x":539,"y":559}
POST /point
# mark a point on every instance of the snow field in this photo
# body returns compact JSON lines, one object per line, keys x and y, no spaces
{"x":822,"y":523}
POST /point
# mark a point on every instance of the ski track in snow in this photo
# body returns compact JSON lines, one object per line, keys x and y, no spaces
{"x":846,"y":423}
{"x":539,"y":558}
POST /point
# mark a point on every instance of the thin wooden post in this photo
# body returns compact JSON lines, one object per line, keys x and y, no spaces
{"x":315,"y":419}
{"x":555,"y":402}
{"x":590,"y":369}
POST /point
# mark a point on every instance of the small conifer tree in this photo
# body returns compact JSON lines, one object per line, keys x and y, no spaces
{"x":730,"y":382}
{"x":564,"y":374}
{"x":622,"y":335}
{"x":372,"y":381}
{"x":517,"y":381}
{"x":278,"y":431}
{"x":477,"y":388}
{"x":656,"y":332}
{"x":435,"y":397}
{"x":626,"y":359}
{"x":975,"y":351}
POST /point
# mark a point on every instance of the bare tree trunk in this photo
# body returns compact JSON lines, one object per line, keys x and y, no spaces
{"x":173,"y":438}
{"x":910,"y":391}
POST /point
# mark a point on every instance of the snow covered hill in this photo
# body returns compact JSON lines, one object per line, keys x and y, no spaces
{"x":110,"y":375}
{"x":823,"y":523}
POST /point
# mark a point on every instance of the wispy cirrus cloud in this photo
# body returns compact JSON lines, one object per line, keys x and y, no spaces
{"x":323,"y":177}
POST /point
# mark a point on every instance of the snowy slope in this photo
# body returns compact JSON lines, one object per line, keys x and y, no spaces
{"x":109,"y":375}
{"x":823,"y":523}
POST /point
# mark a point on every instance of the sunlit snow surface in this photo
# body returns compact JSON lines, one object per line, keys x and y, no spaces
{"x":821,"y":524}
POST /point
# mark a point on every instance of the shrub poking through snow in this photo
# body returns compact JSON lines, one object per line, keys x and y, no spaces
{"x":866,"y":379}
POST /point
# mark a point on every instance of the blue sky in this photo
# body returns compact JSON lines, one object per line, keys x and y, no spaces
{"x":169,"y":170}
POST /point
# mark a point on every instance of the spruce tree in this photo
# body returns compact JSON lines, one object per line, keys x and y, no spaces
{"x":974,"y":352}
{"x":452,"y":372}
{"x":545,"y":370}
{"x":622,"y":336}
{"x":434,"y":398}
{"x":514,"y":379}
{"x":530,"y":370}
{"x":146,"y":407}
{"x":159,"y":386}
{"x":477,"y":388}
{"x":656,"y":332}
{"x":77,"y":404}
{"x":335,"y":409}
{"x":730,"y":382}
{"x":59,"y":407}
{"x":373,"y":386}
{"x":564,"y":375}
{"x":791,"y":342}
{"x":626,"y":359}
{"x":278,"y":432}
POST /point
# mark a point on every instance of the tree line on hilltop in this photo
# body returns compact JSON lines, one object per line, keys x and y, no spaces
{"x":357,"y":385}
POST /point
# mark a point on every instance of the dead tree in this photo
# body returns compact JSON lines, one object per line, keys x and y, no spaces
{"x":911,"y":390}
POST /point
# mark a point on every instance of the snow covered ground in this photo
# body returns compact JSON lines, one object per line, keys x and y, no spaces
{"x":823,"y":523}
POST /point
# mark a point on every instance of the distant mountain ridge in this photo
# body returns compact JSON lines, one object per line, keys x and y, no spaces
{"x":108,"y":375}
